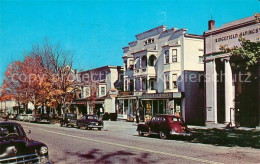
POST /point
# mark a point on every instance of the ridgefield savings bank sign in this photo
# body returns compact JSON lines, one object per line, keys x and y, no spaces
{"x":241,"y":34}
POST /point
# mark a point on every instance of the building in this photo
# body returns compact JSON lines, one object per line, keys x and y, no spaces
{"x":226,"y":103}
{"x":157,"y":70}
{"x":95,"y":89}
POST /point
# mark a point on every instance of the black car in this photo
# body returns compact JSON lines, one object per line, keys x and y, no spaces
{"x":90,"y":122}
{"x":41,"y":118}
{"x":70,"y":119}
{"x":15,"y":147}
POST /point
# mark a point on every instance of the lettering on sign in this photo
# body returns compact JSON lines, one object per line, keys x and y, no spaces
{"x":235,"y":35}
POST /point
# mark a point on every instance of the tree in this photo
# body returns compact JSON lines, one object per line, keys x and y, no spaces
{"x":244,"y":58}
{"x":58,"y":64}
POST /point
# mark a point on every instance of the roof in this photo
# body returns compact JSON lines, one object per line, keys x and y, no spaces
{"x":8,"y":122}
{"x":170,"y":115}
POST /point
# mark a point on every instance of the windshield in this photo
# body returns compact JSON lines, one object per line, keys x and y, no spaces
{"x":71,"y":115}
{"x":6,"y":130}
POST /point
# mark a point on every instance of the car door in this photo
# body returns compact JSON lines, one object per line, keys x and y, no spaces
{"x":152,"y":124}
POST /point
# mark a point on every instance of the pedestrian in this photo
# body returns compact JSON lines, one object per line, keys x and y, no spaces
{"x":137,"y":116}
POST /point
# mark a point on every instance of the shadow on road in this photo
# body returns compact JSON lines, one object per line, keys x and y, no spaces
{"x":221,"y":137}
{"x":97,"y":156}
{"x":226,"y":137}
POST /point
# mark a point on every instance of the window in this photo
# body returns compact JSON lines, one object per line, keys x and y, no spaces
{"x":167,"y":84}
{"x":125,"y":85}
{"x":125,"y":64}
{"x":166,"y":56}
{"x":87,"y":91}
{"x":152,"y":85}
{"x":103,"y":75}
{"x":103,"y":91}
{"x":174,"y":55}
{"x":131,"y":64}
{"x":174,"y":81}
{"x":200,"y":59}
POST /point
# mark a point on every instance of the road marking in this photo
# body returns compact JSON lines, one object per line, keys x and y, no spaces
{"x":137,"y":148}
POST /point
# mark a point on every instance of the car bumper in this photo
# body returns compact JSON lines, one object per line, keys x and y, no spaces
{"x":179,"y":134}
{"x":94,"y":126}
{"x":44,"y":160}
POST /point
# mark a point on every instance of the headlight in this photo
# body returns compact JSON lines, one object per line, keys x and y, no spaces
{"x":44,"y":150}
{"x":68,"y":119}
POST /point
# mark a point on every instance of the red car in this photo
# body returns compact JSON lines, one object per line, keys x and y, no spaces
{"x":164,"y":125}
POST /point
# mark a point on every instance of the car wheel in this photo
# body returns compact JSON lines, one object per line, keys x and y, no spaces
{"x":99,"y":128}
{"x":140,"y":133}
{"x":163,"y":135}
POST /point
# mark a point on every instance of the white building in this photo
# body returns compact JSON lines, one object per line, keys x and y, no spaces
{"x":95,"y":88}
{"x":225,"y":103}
{"x":157,"y":70}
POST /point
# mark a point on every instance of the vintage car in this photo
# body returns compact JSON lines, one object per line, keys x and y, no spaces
{"x":90,"y":122}
{"x":70,"y":119}
{"x":15,"y":147}
{"x":40,"y":118}
{"x":20,"y":117}
{"x":12,"y":116}
{"x":164,"y":125}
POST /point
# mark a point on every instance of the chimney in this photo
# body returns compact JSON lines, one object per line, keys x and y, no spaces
{"x":211,"y":24}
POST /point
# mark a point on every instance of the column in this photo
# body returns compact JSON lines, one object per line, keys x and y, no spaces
{"x":148,"y":83}
{"x":229,"y":94}
{"x":141,"y":84}
{"x":211,"y":92}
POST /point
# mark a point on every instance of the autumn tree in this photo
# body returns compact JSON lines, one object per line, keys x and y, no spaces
{"x":58,"y":66}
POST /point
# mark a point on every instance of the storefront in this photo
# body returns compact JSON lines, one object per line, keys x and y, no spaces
{"x":160,"y":103}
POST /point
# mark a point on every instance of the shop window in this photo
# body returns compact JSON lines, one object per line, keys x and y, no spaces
{"x":167,"y":83}
{"x":174,"y":55}
{"x":174,"y":81}
{"x":166,"y":57}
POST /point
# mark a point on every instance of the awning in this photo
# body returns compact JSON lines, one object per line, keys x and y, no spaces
{"x":157,"y":96}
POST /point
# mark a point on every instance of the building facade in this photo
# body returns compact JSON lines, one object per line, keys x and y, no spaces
{"x":227,"y":100}
{"x":157,"y":70}
{"x":94,"y":90}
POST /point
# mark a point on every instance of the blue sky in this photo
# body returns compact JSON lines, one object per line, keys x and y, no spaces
{"x":95,"y":31}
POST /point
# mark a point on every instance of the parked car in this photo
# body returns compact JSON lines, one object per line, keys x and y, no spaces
{"x":12,"y":116}
{"x":16,"y":147}
{"x":90,"y":122}
{"x":70,"y":119}
{"x":20,"y":117}
{"x":41,"y":118}
{"x":164,"y":125}
{"x":26,"y":117}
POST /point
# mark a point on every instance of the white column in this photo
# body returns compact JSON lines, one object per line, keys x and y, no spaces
{"x":215,"y":117}
{"x":141,"y":84}
{"x":229,"y":94}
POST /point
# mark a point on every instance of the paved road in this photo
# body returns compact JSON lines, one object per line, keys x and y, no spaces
{"x":118,"y":143}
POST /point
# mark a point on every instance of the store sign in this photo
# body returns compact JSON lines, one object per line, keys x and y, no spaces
{"x":230,"y":38}
{"x":79,"y":103}
{"x":161,"y":95}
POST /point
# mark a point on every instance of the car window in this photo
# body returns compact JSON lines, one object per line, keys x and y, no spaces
{"x":153,"y":119}
{"x":158,"y":119}
{"x":6,"y":130}
{"x":176,"y":119}
{"x":92,"y":117}
{"x":163,"y":119}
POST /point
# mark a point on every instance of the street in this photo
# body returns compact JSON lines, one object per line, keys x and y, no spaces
{"x":118,"y":142}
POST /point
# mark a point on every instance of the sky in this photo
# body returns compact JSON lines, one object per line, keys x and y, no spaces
{"x":96,"y":30}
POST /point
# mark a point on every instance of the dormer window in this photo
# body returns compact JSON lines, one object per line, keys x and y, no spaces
{"x":149,"y":41}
